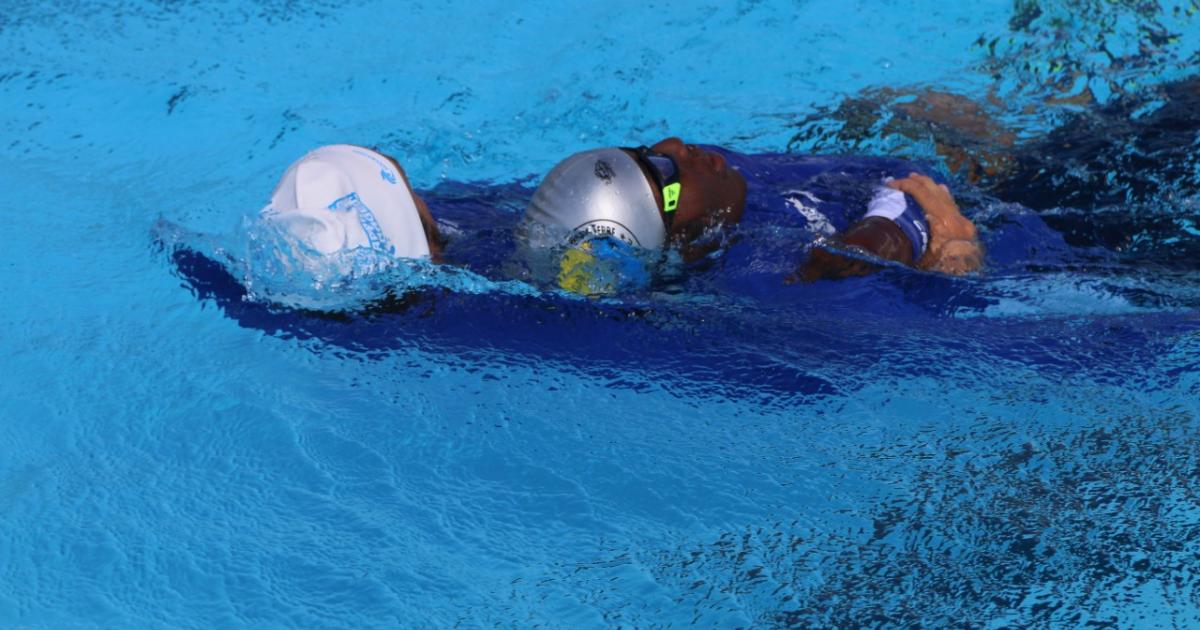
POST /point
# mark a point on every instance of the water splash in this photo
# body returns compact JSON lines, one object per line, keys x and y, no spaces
{"x":275,"y":269}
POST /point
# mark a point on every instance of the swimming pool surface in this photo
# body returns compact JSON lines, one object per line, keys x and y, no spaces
{"x":1010,"y":450}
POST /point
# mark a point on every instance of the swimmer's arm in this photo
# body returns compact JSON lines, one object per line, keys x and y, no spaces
{"x":953,"y":243}
{"x":873,"y":235}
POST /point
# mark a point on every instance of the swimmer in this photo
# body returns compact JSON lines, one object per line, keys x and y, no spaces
{"x":675,"y":195}
{"x":343,"y":198}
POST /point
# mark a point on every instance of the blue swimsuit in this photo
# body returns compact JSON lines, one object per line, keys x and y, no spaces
{"x":827,"y":194}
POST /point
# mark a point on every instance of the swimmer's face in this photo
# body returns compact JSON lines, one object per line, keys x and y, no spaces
{"x":713,"y":194}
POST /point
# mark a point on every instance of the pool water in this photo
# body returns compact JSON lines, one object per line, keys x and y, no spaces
{"x":1011,"y":450}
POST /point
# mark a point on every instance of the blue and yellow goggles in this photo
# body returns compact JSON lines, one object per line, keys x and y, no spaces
{"x":665,"y":173}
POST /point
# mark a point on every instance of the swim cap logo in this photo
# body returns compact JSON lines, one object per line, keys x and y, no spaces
{"x":604,"y":171}
{"x":387,"y":176}
{"x":602,"y":228}
{"x":345,"y":204}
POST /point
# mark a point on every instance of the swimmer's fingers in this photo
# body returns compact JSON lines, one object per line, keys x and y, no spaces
{"x":923,"y":180}
{"x":958,"y":257}
{"x":941,"y":211}
{"x":913,"y":180}
{"x":923,"y":189}
{"x":903,"y":185}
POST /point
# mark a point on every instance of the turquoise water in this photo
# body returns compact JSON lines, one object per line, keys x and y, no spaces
{"x":1013,"y":450}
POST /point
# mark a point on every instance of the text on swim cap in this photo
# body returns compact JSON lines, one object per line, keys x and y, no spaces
{"x":603,"y":228}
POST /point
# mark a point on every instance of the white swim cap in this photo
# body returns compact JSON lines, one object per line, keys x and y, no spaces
{"x":597,"y":193}
{"x":343,"y":197}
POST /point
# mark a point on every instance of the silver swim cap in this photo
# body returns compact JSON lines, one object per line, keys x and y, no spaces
{"x":597,"y":193}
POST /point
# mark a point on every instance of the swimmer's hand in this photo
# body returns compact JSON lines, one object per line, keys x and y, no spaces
{"x":953,"y":247}
{"x":953,"y":243}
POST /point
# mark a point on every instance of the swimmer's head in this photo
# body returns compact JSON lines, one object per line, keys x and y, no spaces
{"x":601,"y":192}
{"x":648,"y":197}
{"x":711,"y":192}
{"x":342,"y":197}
